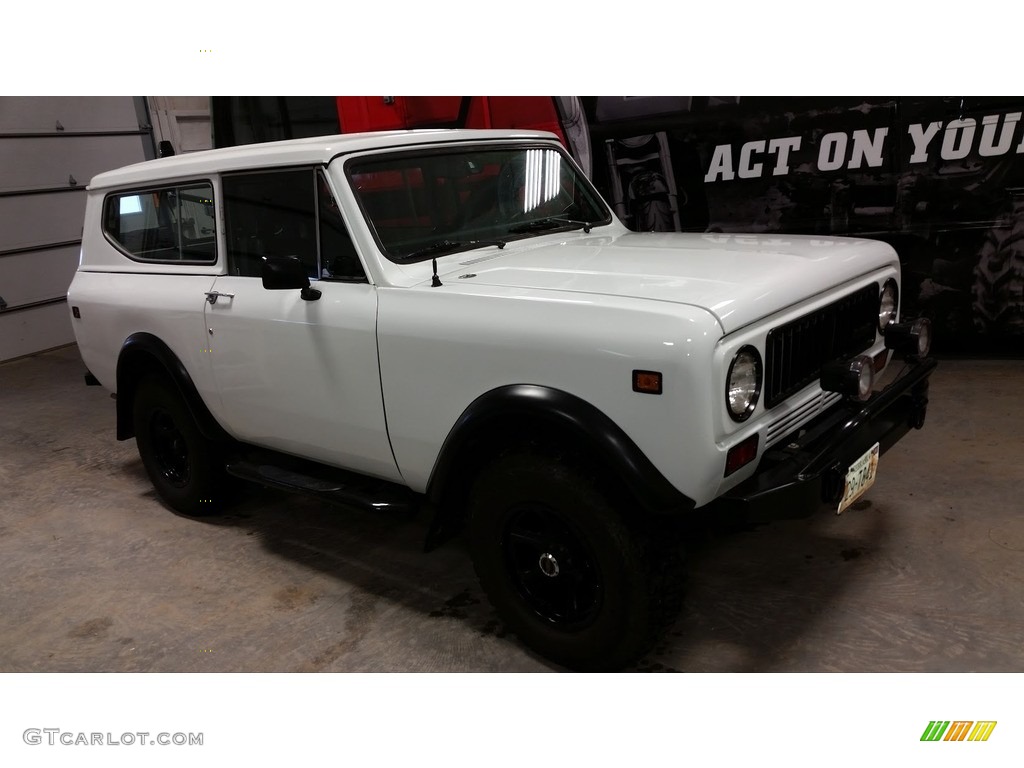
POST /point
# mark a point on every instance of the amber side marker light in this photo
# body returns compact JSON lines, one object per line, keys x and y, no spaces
{"x":648,"y":382}
{"x":740,"y":455}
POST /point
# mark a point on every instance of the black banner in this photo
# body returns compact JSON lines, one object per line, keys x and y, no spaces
{"x":941,"y":179}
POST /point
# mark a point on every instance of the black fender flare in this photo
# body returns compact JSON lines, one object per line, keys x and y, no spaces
{"x":569,"y":415}
{"x":144,"y":353}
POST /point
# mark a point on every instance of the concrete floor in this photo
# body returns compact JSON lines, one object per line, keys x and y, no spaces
{"x":925,"y":574}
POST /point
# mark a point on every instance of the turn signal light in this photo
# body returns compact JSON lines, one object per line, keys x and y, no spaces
{"x":648,"y":382}
{"x":740,"y":455}
{"x":880,"y":360}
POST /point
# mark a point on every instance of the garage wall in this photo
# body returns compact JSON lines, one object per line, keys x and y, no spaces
{"x":50,"y":147}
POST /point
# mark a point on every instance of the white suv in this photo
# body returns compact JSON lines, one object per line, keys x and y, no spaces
{"x":455,"y":320}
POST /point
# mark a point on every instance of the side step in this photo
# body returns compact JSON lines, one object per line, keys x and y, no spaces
{"x":325,"y":483}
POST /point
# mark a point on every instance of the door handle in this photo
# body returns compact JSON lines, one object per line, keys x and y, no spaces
{"x":212,"y":296}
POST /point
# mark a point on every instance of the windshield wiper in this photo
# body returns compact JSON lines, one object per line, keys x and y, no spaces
{"x":450,"y":246}
{"x":550,"y":222}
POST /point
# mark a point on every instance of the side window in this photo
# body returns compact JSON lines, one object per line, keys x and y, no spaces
{"x":169,"y":224}
{"x":287,"y":213}
{"x":270,"y":213}
{"x":337,"y":252}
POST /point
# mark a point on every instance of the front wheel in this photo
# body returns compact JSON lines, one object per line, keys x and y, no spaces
{"x":562,"y":567}
{"x":185,"y":468}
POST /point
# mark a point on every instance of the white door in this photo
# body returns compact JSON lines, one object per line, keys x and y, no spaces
{"x":297,"y":375}
{"x":301,"y":376}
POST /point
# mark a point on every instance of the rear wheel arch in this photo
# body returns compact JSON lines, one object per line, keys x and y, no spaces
{"x":142,"y":355}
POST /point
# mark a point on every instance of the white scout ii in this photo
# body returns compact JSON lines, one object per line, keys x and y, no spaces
{"x":456,"y":320}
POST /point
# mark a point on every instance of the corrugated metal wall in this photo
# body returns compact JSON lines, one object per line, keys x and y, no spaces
{"x":50,"y":147}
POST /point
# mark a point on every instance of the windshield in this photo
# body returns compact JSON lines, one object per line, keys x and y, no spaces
{"x":421,"y":204}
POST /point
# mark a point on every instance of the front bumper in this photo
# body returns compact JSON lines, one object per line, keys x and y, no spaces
{"x":808,"y":468}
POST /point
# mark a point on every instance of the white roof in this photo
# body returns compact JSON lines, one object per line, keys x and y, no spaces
{"x":316,"y":150}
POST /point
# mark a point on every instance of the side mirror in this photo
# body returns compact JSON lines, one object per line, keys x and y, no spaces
{"x":286,"y":273}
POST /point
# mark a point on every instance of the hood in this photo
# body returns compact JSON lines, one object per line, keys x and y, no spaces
{"x":738,"y":278}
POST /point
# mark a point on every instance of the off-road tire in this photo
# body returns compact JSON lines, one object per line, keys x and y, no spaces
{"x":534,"y":519}
{"x":186,"y":469}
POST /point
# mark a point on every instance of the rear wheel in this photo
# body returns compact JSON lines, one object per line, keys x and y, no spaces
{"x":185,"y":468}
{"x":562,"y":567}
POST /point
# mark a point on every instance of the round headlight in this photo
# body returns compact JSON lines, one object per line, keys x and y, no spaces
{"x":888,"y":302}
{"x":743,"y":384}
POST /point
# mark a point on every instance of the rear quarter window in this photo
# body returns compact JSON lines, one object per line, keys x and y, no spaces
{"x":170,"y":224}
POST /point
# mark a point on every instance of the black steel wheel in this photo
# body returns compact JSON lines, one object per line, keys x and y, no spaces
{"x":562,"y":567}
{"x":170,"y":448}
{"x":185,"y":468}
{"x":551,"y":566}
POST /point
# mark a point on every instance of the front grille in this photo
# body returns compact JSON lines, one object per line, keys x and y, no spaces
{"x":796,"y":351}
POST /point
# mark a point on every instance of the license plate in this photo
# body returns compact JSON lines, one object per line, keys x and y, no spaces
{"x":859,"y":477}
